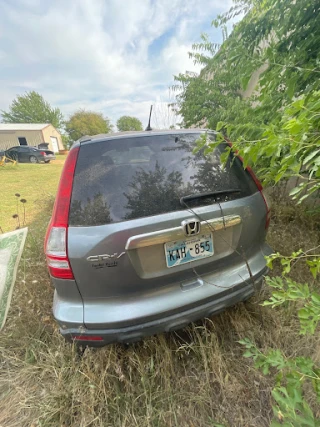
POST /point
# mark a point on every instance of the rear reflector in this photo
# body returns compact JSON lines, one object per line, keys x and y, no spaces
{"x":87,"y":338}
{"x":57,"y":263}
{"x":60,"y":272}
{"x":55,"y":244}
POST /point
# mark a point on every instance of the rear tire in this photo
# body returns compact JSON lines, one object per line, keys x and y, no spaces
{"x":33,"y":159}
{"x":47,"y":161}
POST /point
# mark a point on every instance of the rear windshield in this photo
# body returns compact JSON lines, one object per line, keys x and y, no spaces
{"x":129,"y":178}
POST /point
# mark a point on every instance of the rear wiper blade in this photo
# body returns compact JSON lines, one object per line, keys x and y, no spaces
{"x":191,"y":197}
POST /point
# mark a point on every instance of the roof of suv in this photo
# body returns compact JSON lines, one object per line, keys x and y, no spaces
{"x":132,"y":134}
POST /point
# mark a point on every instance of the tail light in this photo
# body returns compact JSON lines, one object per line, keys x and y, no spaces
{"x":42,"y":153}
{"x":56,"y":244}
{"x":259,"y":186}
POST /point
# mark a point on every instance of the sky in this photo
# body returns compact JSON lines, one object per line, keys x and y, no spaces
{"x":116,"y":57}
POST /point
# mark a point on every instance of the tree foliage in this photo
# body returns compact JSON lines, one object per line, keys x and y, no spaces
{"x":84,"y":122}
{"x":293,"y":374}
{"x":32,"y":108}
{"x":127,"y":123}
{"x":290,"y":148}
{"x":275,"y":128}
{"x":281,"y":36}
{"x":291,"y":408}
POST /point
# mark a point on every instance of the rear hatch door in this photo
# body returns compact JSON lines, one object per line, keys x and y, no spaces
{"x":132,"y":227}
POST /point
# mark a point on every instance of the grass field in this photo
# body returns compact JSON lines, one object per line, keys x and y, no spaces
{"x":196,"y":377}
{"x":33,"y":182}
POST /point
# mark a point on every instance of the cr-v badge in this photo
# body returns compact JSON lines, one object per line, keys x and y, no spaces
{"x":95,"y":258}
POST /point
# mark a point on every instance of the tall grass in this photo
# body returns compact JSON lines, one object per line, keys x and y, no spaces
{"x":195,"y":377}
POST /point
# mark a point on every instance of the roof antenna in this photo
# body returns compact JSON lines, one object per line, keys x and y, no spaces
{"x":149,"y":127}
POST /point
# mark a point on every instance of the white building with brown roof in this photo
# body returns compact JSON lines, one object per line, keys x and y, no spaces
{"x":32,"y":134}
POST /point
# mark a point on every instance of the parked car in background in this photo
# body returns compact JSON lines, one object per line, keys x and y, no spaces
{"x":27,"y":154}
{"x":147,"y":236}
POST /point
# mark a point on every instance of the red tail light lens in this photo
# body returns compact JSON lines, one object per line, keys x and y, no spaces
{"x":259,"y":186}
{"x":61,"y":208}
{"x":87,"y":338}
{"x":59,"y":268}
{"x":55,"y":245}
{"x":42,"y":153}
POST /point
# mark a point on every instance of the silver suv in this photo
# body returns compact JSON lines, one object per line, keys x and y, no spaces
{"x":147,"y":236}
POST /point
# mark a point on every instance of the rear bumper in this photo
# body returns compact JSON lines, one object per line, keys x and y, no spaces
{"x":46,"y":158}
{"x":222,"y":300}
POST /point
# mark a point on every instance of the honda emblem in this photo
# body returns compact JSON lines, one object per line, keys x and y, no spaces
{"x":191,"y":227}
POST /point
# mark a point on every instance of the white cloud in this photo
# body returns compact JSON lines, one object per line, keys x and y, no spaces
{"x":116,"y":57}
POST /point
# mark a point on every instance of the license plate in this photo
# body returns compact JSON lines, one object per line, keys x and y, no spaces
{"x":181,"y":252}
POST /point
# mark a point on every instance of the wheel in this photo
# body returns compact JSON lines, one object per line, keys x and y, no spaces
{"x":33,"y":159}
{"x":47,"y":161}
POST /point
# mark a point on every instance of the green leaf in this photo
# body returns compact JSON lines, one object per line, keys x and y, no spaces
{"x":310,"y":156}
{"x":316,"y":298}
{"x":295,"y":190}
{"x":314,"y":271}
{"x":304,"y":313}
{"x":291,"y":85}
{"x":302,"y":198}
{"x":219,"y":126}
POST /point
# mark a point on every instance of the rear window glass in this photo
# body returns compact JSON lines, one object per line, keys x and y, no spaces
{"x":128,"y":178}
